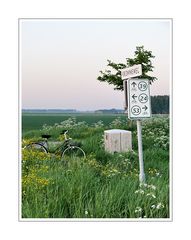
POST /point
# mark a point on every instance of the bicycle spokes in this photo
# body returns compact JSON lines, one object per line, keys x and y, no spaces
{"x":73,"y":152}
{"x":36,"y":147}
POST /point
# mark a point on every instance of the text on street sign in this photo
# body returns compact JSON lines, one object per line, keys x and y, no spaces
{"x":139,"y":99}
{"x":130,"y":72}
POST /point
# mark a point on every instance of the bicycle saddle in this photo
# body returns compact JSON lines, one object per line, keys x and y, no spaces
{"x":46,"y":136}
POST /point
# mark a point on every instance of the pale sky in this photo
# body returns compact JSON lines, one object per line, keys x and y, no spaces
{"x":60,"y":59}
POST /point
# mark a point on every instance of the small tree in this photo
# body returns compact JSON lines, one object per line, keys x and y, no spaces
{"x":142,"y":57}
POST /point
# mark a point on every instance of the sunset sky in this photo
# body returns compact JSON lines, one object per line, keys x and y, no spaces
{"x":60,"y":59}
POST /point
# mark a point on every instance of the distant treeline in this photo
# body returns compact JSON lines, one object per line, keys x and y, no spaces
{"x":49,"y":110}
{"x":110,"y":111}
{"x":160,"y":104}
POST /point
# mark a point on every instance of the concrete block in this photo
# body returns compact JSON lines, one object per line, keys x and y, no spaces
{"x":117,"y":140}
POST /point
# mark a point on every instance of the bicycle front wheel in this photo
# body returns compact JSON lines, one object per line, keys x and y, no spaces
{"x":37,"y":147}
{"x":73,"y":152}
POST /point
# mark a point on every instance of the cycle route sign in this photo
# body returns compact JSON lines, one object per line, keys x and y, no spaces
{"x":139,"y":99}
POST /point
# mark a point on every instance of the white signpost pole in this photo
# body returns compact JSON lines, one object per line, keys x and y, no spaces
{"x":138,"y":105}
{"x":140,"y":149}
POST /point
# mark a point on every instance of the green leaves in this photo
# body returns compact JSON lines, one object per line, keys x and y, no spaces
{"x":113,"y":76}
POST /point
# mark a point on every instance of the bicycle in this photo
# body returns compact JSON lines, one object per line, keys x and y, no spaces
{"x":67,"y":148}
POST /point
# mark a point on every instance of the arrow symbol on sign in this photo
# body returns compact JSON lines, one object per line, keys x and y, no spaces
{"x":134,"y":96}
{"x":145,"y":107}
{"x":134,"y":84}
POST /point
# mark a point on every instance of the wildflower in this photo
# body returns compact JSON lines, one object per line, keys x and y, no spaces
{"x":140,"y":191}
{"x":98,"y":124}
{"x":151,"y":194}
{"x":86,"y":212}
{"x":152,"y":187}
{"x":159,"y":206}
{"x":138,"y":210}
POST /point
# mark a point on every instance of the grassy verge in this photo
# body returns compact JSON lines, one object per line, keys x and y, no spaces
{"x":102,"y":185}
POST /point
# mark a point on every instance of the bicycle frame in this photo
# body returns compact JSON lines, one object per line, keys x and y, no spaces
{"x":65,"y":148}
{"x":62,"y":146}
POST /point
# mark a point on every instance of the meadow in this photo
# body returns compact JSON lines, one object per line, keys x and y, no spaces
{"x":102,"y":185}
{"x":32,"y":121}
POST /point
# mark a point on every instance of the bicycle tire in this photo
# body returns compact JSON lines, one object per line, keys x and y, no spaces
{"x":73,"y":152}
{"x":37,"y":147}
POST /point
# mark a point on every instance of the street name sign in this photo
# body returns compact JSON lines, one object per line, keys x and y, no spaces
{"x":139,"y":99}
{"x":130,"y":72}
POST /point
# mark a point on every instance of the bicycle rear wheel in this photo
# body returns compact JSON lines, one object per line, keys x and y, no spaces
{"x":37,"y":147}
{"x":73,"y":152}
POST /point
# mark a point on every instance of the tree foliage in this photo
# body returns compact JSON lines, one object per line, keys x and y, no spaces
{"x":113,"y":76}
{"x":160,"y":104}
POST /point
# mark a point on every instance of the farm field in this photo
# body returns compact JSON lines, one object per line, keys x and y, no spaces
{"x":102,"y":185}
{"x":32,"y":121}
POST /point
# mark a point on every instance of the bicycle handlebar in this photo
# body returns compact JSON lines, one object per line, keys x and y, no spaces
{"x":65,"y":132}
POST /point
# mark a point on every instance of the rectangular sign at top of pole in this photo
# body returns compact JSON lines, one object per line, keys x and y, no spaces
{"x":139,"y":99}
{"x":130,"y":72}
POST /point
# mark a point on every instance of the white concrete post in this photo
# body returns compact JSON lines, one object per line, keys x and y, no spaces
{"x":140,"y":149}
{"x":117,"y":140}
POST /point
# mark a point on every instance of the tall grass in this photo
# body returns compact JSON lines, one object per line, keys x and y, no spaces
{"x":103,"y":185}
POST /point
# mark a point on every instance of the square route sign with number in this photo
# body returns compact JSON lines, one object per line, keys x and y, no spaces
{"x":139,"y":99}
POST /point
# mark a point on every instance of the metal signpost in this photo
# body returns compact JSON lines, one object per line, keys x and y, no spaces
{"x":139,"y":106}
